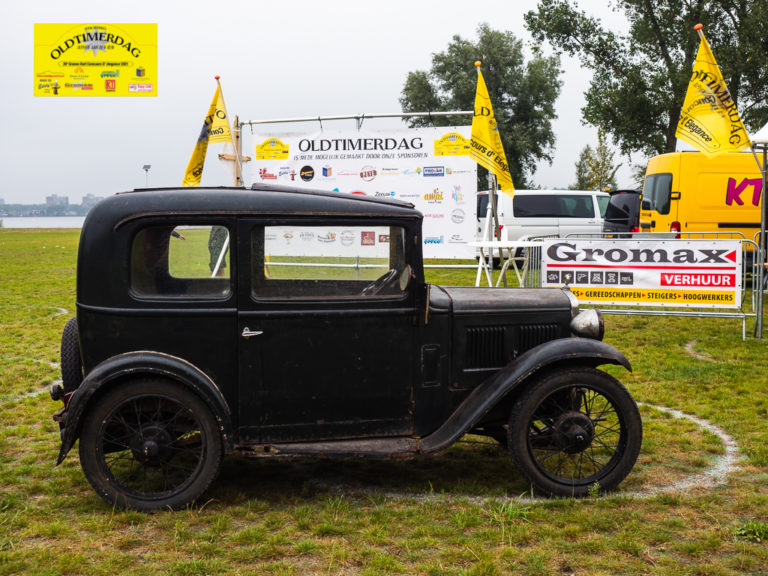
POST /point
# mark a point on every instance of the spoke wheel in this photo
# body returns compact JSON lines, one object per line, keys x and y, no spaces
{"x":150,"y":444}
{"x":575,"y":429}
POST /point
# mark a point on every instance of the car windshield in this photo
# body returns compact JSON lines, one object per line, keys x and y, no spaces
{"x":657,"y":191}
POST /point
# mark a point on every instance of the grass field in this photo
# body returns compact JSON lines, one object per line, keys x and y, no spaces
{"x":463,"y":512}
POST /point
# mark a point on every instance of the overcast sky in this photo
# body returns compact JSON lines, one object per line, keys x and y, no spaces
{"x":276,"y":60}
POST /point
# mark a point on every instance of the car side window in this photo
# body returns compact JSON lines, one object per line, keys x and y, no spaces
{"x":181,"y":262}
{"x":310,"y":262}
{"x":574,"y":206}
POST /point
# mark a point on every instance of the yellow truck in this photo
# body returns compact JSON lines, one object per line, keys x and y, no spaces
{"x":688,"y":192}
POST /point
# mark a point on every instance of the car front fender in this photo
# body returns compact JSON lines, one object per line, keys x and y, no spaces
{"x":483,"y":398}
{"x":136,"y":364}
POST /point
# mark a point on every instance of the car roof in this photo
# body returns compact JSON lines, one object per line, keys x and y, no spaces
{"x":259,"y":200}
{"x":555,"y":192}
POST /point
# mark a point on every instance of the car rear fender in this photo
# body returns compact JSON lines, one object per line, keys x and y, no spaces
{"x":136,"y":364}
{"x":483,"y":398}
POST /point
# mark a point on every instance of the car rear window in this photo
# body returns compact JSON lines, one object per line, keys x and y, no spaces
{"x":553,"y":206}
{"x":183,"y":261}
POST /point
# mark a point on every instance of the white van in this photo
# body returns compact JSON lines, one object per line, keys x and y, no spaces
{"x":545,"y":213}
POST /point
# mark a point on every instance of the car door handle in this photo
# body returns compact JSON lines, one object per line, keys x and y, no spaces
{"x":248,"y":333}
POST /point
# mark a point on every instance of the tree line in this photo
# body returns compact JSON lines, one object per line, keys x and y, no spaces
{"x":639,"y":78}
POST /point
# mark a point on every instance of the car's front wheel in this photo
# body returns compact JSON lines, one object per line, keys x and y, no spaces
{"x":575,"y":430}
{"x":149,"y":444}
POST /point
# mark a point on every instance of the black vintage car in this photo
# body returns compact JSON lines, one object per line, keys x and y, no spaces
{"x":287,"y":322}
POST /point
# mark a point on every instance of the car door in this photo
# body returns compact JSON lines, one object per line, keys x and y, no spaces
{"x":326,"y":324}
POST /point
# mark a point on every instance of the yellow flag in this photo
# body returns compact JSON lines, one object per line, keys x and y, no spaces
{"x":215,"y":129}
{"x":709,"y":120}
{"x":486,"y":148}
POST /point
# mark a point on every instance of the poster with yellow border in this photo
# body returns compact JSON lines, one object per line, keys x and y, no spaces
{"x":95,"y":60}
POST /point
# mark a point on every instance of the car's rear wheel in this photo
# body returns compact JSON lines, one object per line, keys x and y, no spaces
{"x":150,"y":444}
{"x":71,"y":364}
{"x":573,"y":431}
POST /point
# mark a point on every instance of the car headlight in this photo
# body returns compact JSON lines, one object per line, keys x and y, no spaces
{"x":588,"y":324}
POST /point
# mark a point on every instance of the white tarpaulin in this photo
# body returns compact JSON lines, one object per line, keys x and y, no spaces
{"x":428,"y":167}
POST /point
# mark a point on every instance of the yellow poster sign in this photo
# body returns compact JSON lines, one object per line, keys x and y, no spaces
{"x":452,"y":144}
{"x":272,"y":149}
{"x":95,"y":60}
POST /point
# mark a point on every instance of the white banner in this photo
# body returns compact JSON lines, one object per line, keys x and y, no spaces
{"x":684,"y":273}
{"x":428,"y":167}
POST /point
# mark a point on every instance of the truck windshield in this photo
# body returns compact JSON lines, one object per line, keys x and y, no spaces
{"x":657,"y":191}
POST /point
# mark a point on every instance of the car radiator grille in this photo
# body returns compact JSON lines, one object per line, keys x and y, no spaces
{"x":487,"y":348}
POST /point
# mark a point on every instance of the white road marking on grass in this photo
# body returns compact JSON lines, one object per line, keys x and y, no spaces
{"x":715,"y":475}
{"x":698,"y":355}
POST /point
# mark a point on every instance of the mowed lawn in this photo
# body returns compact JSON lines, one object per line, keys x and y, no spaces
{"x":462,"y":512}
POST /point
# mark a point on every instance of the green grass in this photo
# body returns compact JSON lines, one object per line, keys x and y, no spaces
{"x":464,"y":512}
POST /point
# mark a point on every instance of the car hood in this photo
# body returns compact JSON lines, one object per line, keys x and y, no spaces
{"x":470,"y":300}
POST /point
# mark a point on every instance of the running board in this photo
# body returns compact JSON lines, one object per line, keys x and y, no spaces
{"x":379,"y":448}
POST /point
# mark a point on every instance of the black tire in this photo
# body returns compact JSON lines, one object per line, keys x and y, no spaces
{"x":575,"y":429}
{"x":150,"y":444}
{"x":71,"y":364}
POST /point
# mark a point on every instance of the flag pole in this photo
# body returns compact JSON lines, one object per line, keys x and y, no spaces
{"x":238,"y":159}
{"x":492,"y":201}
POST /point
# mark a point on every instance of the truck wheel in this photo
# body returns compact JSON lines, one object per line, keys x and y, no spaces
{"x":150,"y":444}
{"x":71,"y":364}
{"x":573,"y":430}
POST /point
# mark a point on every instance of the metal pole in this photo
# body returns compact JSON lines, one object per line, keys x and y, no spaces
{"x":358,"y":117}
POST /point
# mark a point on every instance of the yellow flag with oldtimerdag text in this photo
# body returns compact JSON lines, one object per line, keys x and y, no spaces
{"x":709,"y":120}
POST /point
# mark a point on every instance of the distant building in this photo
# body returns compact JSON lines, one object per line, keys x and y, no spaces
{"x":90,"y":200}
{"x":56,"y":200}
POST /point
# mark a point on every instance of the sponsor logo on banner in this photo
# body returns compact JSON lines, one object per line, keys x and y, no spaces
{"x":390,"y":172}
{"x":368,"y":173}
{"x":456,"y":239}
{"x":140,"y":88}
{"x":433,"y":240}
{"x":347,"y":238}
{"x":327,"y":238}
{"x":457,"y":216}
{"x":368,"y":238}
{"x":434,"y":197}
{"x":412,"y":172}
{"x":110,"y":84}
{"x":456,"y":195}
{"x":383,"y":238}
{"x":272,"y":149}
{"x":452,"y":144}
{"x":307,"y":173}
{"x":385,"y":194}
{"x":307,"y":236}
{"x":437,"y":215}
{"x":286,"y":172}
{"x":266,"y":175}
{"x":288,"y":235}
{"x":327,"y":171}
{"x":434,"y":171}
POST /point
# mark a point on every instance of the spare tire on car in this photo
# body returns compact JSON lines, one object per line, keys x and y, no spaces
{"x":71,"y":364}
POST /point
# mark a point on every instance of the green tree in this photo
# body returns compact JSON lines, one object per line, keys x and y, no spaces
{"x":640,"y":78}
{"x":523,"y":94}
{"x":595,"y":169}
{"x":583,"y":178}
